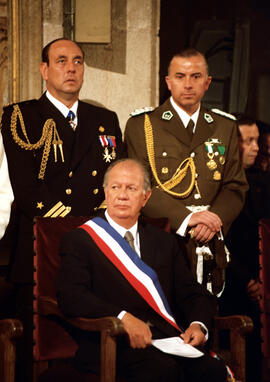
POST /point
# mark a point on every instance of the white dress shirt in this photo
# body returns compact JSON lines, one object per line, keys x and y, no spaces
{"x":63,"y":108}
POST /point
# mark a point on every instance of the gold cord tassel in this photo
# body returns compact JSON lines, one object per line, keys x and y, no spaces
{"x":49,"y":131}
{"x":181,"y":171}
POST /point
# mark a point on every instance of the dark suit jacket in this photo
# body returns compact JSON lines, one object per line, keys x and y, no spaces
{"x":243,"y":239}
{"x":76,"y":183}
{"x":89,"y":285}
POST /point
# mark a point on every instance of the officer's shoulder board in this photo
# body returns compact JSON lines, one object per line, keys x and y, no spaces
{"x":147,"y":109}
{"x":227,"y":115}
{"x":22,"y":103}
{"x":7,"y":105}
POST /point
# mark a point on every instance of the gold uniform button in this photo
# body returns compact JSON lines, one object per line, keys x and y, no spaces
{"x":68,"y":191}
{"x":164,"y":154}
{"x":70,"y":174}
{"x":164,"y":170}
{"x":94,"y":173}
{"x":95,"y":191}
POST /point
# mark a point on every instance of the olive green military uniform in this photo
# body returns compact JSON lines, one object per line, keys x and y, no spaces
{"x":220,"y":181}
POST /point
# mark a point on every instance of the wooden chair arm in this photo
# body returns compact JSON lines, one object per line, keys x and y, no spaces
{"x":109,"y":327}
{"x":112,"y":325}
{"x":242,"y":324}
{"x":238,"y":326}
{"x":10,"y":330}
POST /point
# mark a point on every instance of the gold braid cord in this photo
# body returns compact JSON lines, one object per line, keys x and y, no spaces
{"x":180,"y":172}
{"x":49,"y":129}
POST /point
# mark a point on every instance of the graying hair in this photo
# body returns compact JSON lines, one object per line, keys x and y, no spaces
{"x":146,"y":176}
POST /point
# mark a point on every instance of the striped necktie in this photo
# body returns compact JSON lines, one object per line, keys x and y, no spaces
{"x":70,"y":118}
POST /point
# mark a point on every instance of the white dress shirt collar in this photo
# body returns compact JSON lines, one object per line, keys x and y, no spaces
{"x":63,"y":108}
{"x":185,"y":117}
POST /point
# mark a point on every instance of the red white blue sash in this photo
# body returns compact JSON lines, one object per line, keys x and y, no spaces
{"x":142,"y":277}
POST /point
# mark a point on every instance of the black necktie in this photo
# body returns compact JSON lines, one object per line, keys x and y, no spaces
{"x":130,"y":239}
{"x":190,"y":128}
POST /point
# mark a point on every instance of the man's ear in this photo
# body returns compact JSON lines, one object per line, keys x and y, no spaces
{"x":168,"y":82}
{"x":146,"y":197}
{"x":43,"y":67}
{"x":208,"y":82}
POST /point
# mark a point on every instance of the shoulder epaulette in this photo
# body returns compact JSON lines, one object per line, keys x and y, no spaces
{"x":143,"y":110}
{"x":220,"y":112}
{"x":26,"y":102}
{"x":7,"y":105}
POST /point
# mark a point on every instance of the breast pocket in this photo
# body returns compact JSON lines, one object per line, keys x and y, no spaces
{"x":168,"y":158}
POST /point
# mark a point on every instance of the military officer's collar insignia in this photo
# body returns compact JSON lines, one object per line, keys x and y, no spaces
{"x":167,"y":115}
{"x":208,"y":118}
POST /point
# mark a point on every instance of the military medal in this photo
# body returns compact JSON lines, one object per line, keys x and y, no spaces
{"x":211,"y":164}
{"x":108,"y":141}
{"x":107,"y":156}
{"x":221,"y":150}
{"x":217,"y":175}
{"x":221,"y":160}
{"x":210,"y":145}
{"x":112,"y":144}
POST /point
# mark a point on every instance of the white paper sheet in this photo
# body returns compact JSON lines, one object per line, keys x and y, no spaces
{"x":176,"y":346}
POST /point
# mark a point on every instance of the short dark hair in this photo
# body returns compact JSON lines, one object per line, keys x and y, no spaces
{"x":146,"y":176}
{"x":188,"y":52}
{"x":244,"y":119}
{"x":46,"y":49}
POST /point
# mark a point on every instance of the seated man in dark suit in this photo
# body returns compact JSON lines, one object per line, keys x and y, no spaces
{"x":102,"y":275}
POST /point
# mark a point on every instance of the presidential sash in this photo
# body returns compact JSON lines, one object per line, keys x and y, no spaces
{"x":142,"y":277}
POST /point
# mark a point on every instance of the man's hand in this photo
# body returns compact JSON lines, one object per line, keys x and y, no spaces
{"x":208,"y":218}
{"x":202,"y":234}
{"x":204,"y":225}
{"x":193,"y":335}
{"x":139,"y":334}
{"x":254,"y":290}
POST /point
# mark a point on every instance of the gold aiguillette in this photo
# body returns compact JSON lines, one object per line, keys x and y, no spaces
{"x":57,"y":142}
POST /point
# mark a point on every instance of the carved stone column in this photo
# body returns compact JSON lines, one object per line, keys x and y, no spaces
{"x":31,"y":41}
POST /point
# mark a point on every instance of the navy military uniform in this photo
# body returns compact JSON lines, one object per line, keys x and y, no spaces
{"x":70,"y":181}
{"x":54,"y":171}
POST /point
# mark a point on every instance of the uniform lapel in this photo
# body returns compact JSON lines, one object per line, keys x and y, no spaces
{"x":86,"y":131}
{"x":66,"y":134}
{"x":174,"y":125}
{"x":204,"y":129}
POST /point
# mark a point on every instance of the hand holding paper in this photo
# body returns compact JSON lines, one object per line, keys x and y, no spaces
{"x":176,"y":346}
